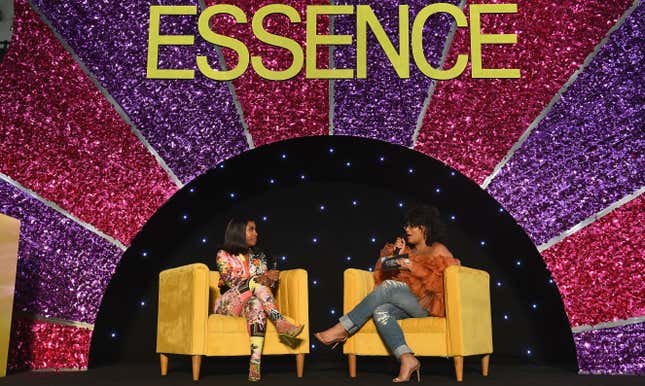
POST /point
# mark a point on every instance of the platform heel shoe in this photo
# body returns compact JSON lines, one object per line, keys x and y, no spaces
{"x":288,"y":333}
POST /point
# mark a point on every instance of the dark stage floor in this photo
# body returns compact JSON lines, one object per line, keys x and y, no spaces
{"x":373,"y":372}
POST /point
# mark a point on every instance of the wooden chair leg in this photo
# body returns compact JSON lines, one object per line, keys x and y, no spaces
{"x":352,"y":365}
{"x":197,"y":364}
{"x":485,"y":362}
{"x":163,"y":360}
{"x":459,"y":368}
{"x":300,"y":365}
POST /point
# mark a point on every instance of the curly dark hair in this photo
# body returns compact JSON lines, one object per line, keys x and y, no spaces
{"x":427,"y":216}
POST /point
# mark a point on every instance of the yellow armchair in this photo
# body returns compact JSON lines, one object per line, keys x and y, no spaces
{"x":466,"y":329}
{"x":185,"y":325}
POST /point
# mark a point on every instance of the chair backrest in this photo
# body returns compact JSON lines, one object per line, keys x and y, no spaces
{"x":213,"y":289}
{"x":468,"y":311}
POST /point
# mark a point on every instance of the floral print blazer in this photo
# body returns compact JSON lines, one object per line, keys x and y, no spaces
{"x":237,"y":270}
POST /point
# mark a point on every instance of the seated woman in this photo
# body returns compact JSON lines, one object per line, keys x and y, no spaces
{"x":249,"y":282}
{"x":414,"y":290}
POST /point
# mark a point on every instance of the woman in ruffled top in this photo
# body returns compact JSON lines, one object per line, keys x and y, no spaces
{"x":414,"y":290}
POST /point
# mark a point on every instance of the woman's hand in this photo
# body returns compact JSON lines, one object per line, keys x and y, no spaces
{"x":269,"y":278}
{"x":400,"y":244}
{"x":272,"y":274}
{"x":405,"y":264}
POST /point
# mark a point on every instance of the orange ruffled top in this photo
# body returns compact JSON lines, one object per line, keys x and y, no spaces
{"x":425,"y":280}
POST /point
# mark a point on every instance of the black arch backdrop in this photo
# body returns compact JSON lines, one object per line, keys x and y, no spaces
{"x":326,"y":204}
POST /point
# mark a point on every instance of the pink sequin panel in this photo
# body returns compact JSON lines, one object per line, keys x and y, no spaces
{"x":599,"y":269}
{"x":62,"y":139}
{"x":278,"y":110}
{"x":42,"y":345}
{"x":471,"y":123}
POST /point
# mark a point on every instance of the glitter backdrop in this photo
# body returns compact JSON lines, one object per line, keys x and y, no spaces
{"x":595,"y":139}
{"x":63,"y":140}
{"x":470,"y":123}
{"x":373,"y":107}
{"x":192,"y":124}
{"x":63,"y":268}
{"x":617,"y":350}
{"x":278,"y":110}
{"x":42,"y":345}
{"x":599,"y":269}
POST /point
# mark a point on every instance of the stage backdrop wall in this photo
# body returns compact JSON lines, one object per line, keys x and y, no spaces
{"x":92,"y":148}
{"x":326,"y":204}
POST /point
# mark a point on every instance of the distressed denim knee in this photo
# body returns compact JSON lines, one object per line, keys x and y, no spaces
{"x":382,"y":314}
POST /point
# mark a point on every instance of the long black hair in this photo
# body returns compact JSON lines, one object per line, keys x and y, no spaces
{"x":235,"y":235}
{"x":427,"y":216}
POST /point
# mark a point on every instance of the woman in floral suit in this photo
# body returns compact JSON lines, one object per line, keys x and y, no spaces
{"x":249,"y":282}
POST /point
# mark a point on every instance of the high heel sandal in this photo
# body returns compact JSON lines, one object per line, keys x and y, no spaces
{"x":335,"y":342}
{"x":289,"y":337}
{"x":416,"y":369}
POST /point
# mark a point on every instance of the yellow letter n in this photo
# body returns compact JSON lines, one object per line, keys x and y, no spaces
{"x":401,"y":60}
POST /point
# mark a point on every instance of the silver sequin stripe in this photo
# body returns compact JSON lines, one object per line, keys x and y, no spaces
{"x":62,"y":211}
{"x":63,"y":322}
{"x":433,"y":83}
{"x":109,"y":98}
{"x":231,"y":89}
{"x":556,"y":97}
{"x":590,"y":220}
{"x":615,"y":323}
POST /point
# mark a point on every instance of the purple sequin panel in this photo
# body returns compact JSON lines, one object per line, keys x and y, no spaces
{"x":589,"y":151}
{"x":384,"y":106}
{"x":616,"y":350}
{"x":192,"y":124}
{"x":63,"y":269}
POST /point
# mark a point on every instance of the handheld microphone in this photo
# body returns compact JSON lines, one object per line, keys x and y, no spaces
{"x":397,"y":250}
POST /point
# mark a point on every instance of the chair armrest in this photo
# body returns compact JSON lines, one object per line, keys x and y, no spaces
{"x":357,"y":283}
{"x":183,"y":310}
{"x":468,"y":311}
{"x":292,"y":295}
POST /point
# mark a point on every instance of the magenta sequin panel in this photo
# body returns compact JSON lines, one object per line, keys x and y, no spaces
{"x":471,"y":123}
{"x":62,"y":139}
{"x":192,"y":124}
{"x":589,"y":151}
{"x":41,"y":345}
{"x":599,"y":269}
{"x":278,"y":110}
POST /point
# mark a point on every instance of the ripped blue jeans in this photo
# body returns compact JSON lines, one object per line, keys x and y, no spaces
{"x":387,"y":303}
